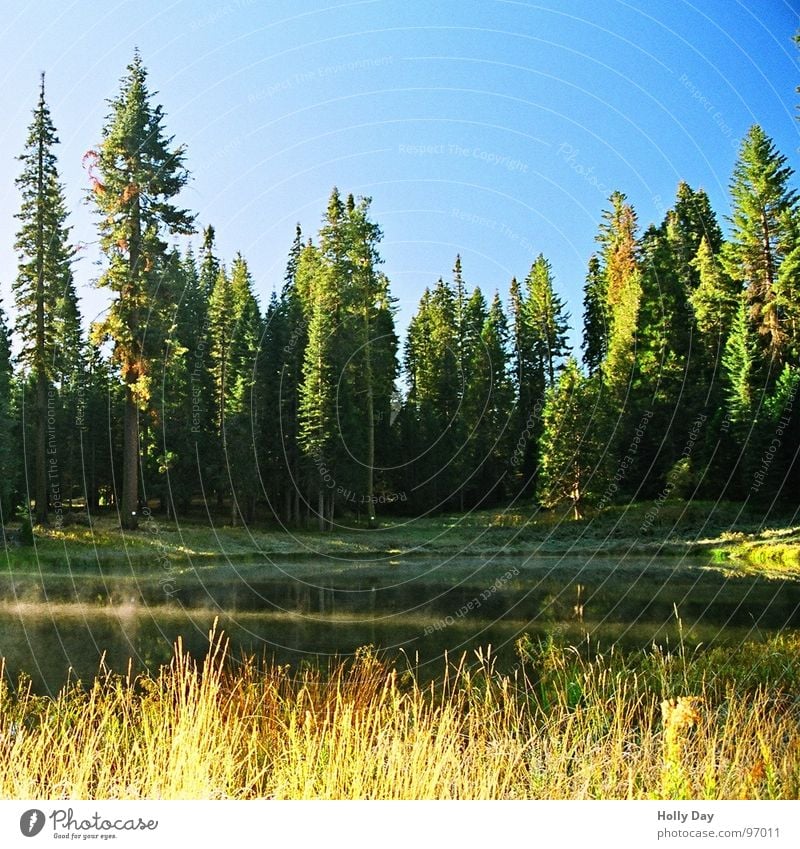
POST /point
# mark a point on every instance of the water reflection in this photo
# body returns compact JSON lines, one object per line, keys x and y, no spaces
{"x":65,"y":624}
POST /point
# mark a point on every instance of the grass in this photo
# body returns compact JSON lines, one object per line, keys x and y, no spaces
{"x":719,"y":725}
{"x":724,"y":531}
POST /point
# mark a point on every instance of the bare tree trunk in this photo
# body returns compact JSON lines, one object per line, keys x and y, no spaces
{"x":41,"y":448}
{"x":370,"y":426}
{"x":130,"y":464}
{"x":321,"y":508}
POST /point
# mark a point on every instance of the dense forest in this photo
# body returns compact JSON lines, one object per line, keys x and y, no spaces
{"x":191,"y":397}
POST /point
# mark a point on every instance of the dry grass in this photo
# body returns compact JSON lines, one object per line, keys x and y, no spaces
{"x":559,"y":727}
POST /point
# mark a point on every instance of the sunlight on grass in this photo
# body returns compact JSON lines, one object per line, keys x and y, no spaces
{"x":651,"y":725}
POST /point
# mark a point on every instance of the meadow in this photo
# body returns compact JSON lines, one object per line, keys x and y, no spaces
{"x":651,"y":725}
{"x":563,"y":720}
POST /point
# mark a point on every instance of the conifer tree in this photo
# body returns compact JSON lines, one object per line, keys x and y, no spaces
{"x":140,"y":172}
{"x":235,"y":330}
{"x":571,"y":442}
{"x":8,"y":452}
{"x":548,"y":321}
{"x":619,"y":254}
{"x":528,"y":391}
{"x":595,"y":318}
{"x":739,"y":362}
{"x":714,"y":301}
{"x":47,"y":317}
{"x":763,"y":232}
{"x":491,"y":401}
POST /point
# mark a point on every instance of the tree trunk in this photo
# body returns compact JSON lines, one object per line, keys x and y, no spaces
{"x":321,"y":508}
{"x":234,"y":509}
{"x":40,"y":355}
{"x":41,"y":448}
{"x":130,"y":464}
{"x":370,"y":429}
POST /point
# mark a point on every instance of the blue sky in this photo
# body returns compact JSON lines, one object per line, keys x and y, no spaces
{"x":494,"y":129}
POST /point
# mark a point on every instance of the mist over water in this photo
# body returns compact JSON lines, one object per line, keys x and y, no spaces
{"x":67,"y":629}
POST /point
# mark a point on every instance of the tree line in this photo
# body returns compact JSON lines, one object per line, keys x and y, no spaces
{"x":187,"y":394}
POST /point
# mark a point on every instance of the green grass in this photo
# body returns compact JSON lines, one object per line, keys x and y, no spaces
{"x":721,"y":725}
{"x":723,"y":531}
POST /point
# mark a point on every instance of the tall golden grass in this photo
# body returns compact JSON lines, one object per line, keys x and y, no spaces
{"x":560,"y":726}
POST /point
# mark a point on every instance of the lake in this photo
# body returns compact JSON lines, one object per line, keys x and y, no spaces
{"x":56,"y":627}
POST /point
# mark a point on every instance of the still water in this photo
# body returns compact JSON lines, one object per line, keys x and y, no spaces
{"x":58,"y":628}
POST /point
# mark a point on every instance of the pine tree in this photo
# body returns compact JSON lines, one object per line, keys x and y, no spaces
{"x":491,"y":397}
{"x":235,"y":330}
{"x":139,"y":173}
{"x":528,"y":390}
{"x":595,"y":318}
{"x":373,"y":339}
{"x":714,"y":301}
{"x":47,"y":319}
{"x":570,"y":443}
{"x":434,"y":398}
{"x":763,"y":232}
{"x":738,"y":363}
{"x":620,"y":264}
{"x":548,"y":321}
{"x":317,"y":408}
{"x":8,"y":451}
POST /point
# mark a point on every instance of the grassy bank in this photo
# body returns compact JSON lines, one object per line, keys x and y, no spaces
{"x":651,"y":725}
{"x":724,"y":532}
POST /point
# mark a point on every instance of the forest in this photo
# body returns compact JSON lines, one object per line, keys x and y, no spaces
{"x":191,"y":397}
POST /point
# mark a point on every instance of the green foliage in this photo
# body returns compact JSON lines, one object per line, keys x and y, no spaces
{"x":571,"y":443}
{"x":138,"y":175}
{"x":763,"y":232}
{"x":620,"y":263}
{"x":595,"y":317}
{"x":9,"y":451}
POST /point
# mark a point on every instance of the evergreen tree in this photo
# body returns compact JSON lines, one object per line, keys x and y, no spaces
{"x":139,"y":174}
{"x":235,"y":330}
{"x":763,"y":232}
{"x":548,"y":321}
{"x":372,"y":361}
{"x":739,"y":363}
{"x":570,"y":443}
{"x":8,"y":452}
{"x":528,"y":391}
{"x":620,"y":265}
{"x":317,"y":408}
{"x":47,"y":316}
{"x":491,"y":395}
{"x":714,"y":302}
{"x":595,"y":318}
{"x":435,"y":391}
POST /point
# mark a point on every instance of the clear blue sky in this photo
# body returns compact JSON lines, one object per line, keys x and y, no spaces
{"x":493,"y":128}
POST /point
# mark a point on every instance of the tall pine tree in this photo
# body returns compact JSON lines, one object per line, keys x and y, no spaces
{"x":47,"y":319}
{"x":140,"y":172}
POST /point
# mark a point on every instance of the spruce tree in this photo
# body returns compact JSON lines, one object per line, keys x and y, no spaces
{"x":140,"y":172}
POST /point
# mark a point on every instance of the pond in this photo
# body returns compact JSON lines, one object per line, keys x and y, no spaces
{"x":58,"y":627}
